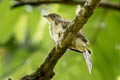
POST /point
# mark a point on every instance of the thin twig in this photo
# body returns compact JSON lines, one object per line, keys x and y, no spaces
{"x":37,"y":3}
{"x":106,"y":5}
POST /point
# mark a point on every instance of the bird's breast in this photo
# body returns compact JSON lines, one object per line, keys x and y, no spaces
{"x":54,"y":31}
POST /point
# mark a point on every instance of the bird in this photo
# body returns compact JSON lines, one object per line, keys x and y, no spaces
{"x":57,"y":27}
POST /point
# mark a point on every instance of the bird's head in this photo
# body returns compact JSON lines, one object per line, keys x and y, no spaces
{"x":52,"y":17}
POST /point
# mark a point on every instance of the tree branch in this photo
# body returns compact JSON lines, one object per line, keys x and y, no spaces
{"x":109,"y":5}
{"x":45,"y":72}
{"x":106,"y":5}
{"x":37,"y":3}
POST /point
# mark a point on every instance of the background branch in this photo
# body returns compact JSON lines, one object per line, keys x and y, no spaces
{"x":106,"y":5}
{"x":45,"y":72}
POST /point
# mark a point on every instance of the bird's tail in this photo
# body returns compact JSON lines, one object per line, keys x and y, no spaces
{"x":87,"y":57}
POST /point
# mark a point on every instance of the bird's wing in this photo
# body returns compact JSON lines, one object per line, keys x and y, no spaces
{"x":79,"y":35}
{"x":65,"y":24}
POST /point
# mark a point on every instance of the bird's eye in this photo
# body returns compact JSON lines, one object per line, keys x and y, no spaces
{"x":53,"y":16}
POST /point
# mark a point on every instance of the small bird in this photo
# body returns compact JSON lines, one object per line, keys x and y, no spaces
{"x":57,"y":27}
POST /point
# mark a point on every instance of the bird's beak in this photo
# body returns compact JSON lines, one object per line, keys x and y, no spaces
{"x":47,"y":17}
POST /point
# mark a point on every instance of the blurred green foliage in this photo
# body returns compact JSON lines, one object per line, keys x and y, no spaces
{"x":25,"y":43}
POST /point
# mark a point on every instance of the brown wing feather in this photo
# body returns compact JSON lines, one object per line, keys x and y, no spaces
{"x":65,"y":24}
{"x":79,"y":35}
